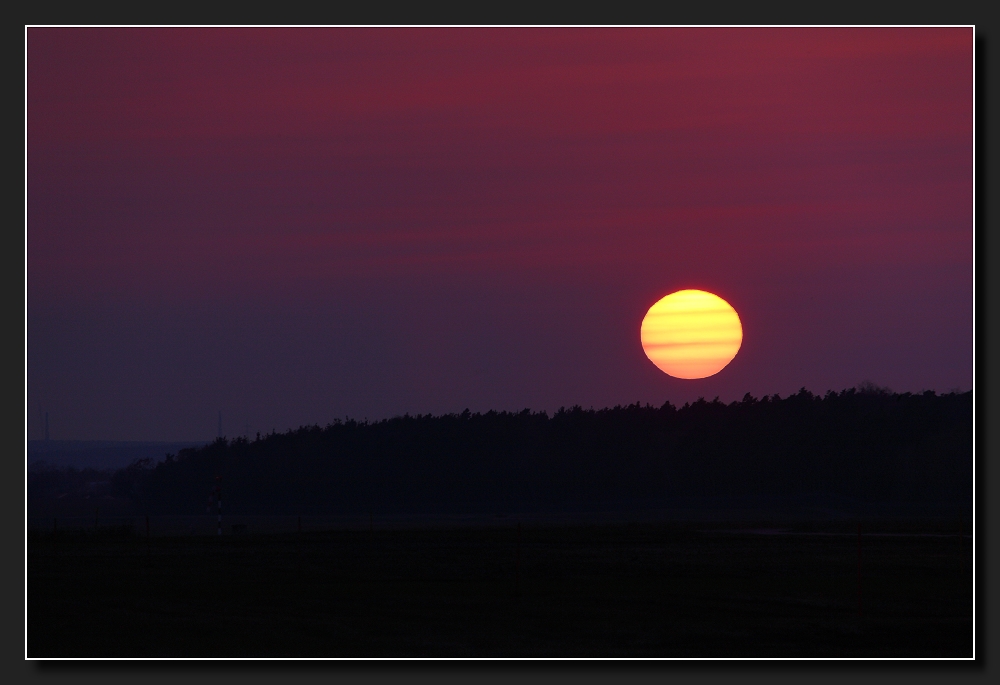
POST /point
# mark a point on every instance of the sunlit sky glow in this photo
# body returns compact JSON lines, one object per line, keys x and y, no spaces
{"x":295,"y":225}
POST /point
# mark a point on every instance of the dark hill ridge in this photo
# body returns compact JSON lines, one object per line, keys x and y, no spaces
{"x":857,"y":447}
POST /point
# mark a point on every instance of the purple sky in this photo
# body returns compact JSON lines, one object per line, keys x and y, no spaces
{"x":294,"y":225}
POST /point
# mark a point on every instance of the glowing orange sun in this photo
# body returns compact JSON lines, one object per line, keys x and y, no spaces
{"x":691,"y":334}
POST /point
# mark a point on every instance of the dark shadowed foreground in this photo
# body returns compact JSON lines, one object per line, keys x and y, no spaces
{"x":664,"y":590}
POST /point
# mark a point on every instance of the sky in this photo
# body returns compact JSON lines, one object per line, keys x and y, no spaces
{"x":297,"y":225}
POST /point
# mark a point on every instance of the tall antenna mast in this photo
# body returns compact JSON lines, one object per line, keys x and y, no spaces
{"x":46,"y":426}
{"x":220,"y":423}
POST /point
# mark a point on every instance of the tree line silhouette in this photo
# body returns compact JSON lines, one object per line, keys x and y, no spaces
{"x":866,"y":445}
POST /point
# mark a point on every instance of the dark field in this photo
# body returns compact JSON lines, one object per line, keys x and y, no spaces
{"x":663,"y":590}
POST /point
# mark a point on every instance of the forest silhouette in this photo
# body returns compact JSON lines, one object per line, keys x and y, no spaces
{"x":856,"y":447}
{"x":860,"y":446}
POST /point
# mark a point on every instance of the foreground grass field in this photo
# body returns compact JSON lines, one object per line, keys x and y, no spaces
{"x":582,"y":591}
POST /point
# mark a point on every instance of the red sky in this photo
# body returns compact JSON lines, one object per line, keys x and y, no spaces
{"x":292,"y":225}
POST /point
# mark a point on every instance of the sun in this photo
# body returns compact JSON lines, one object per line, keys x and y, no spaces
{"x":691,"y":334}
